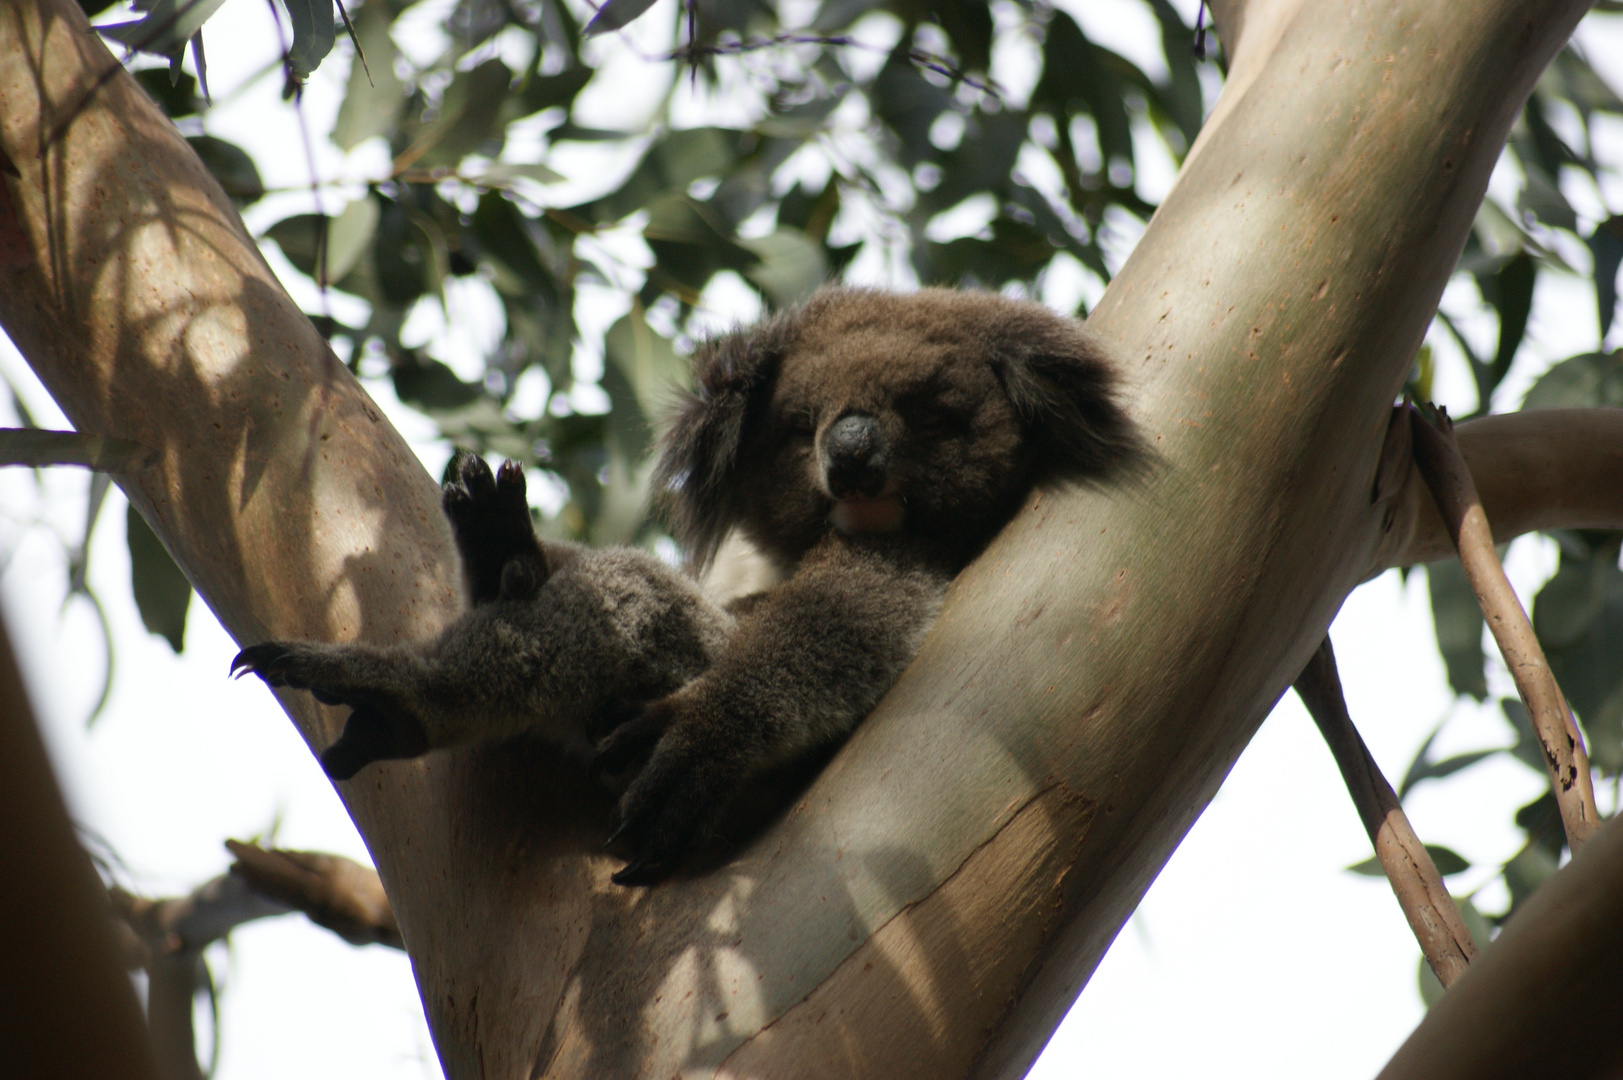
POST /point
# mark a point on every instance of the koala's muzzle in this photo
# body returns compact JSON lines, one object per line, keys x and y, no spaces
{"x":855,"y":459}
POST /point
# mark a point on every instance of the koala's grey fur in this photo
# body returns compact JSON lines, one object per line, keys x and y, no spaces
{"x":557,"y":636}
{"x":869,"y":445}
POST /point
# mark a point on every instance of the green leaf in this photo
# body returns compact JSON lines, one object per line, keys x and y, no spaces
{"x":508,"y":246}
{"x":1543,"y":199}
{"x":1585,"y":381}
{"x":299,"y":237}
{"x":231,"y":166}
{"x":1510,"y":291}
{"x":1437,"y":770}
{"x":1606,"y":245}
{"x":34,"y":447}
{"x":314,"y":31}
{"x":162,"y":592}
{"x":466,"y":119}
{"x":503,"y":173}
{"x":549,"y":91}
{"x":1448,"y":862}
{"x":792,"y":265}
{"x":374,"y":94}
{"x":909,"y":104}
{"x":648,"y":365}
{"x":176,"y":97}
{"x":1536,"y":863}
{"x":1457,"y":617}
{"x":349,"y":235}
{"x":1077,"y":78}
{"x":433,"y":387}
{"x":672,"y":163}
{"x":167,"y":27}
{"x":1579,"y":619}
{"x":615,"y":14}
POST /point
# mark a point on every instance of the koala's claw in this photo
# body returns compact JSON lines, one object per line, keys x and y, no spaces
{"x":675,"y":802}
{"x":268,"y":660}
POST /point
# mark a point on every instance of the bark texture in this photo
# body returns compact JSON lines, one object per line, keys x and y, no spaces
{"x":939,"y":896}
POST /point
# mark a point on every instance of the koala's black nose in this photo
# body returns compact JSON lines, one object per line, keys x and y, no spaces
{"x":854,"y":457}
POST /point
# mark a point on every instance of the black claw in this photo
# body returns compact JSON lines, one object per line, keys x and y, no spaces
{"x":619,"y":831}
{"x":635,"y":872}
{"x":261,"y":659}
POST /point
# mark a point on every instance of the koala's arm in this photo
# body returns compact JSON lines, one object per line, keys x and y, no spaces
{"x":807,"y":662}
{"x":606,"y":626}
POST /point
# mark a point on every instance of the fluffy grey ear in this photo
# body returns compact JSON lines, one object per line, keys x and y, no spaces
{"x":1067,"y":398}
{"x":698,"y":457}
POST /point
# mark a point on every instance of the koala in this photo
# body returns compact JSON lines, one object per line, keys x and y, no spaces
{"x":870,"y":445}
{"x":557,"y":636}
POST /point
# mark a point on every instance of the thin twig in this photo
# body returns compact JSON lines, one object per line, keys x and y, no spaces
{"x":692,"y":53}
{"x":1421,"y":894}
{"x":1446,"y":474}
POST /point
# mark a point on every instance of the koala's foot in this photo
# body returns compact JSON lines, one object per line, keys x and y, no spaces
{"x":380,"y":728}
{"x":490,"y":519}
{"x":677,"y":799}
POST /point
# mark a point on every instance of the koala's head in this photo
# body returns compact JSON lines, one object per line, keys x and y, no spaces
{"x":929,"y":415}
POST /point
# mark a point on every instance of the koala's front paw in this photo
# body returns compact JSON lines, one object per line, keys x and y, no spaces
{"x":380,"y":728}
{"x":284,"y":663}
{"x":678,"y":798}
{"x":490,"y":519}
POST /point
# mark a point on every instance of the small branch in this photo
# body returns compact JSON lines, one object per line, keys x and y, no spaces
{"x":337,"y":893}
{"x":1446,"y":474}
{"x":1421,"y":894}
{"x":692,"y":53}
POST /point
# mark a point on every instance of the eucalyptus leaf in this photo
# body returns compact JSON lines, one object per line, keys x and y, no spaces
{"x":166,"y":28}
{"x":615,"y":14}
{"x":792,"y":265}
{"x":162,"y":592}
{"x":1457,"y":618}
{"x":314,"y":31}
{"x":1585,"y":381}
{"x":349,"y":235}
{"x":1446,"y":859}
{"x":231,"y":166}
{"x":374,"y":93}
{"x":1606,"y":245}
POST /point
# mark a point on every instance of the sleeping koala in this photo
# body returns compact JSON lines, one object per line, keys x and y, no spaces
{"x":557,"y":636}
{"x":870,"y":444}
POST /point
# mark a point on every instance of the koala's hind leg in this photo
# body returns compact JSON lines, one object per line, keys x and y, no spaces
{"x":378,"y":684}
{"x":490,"y":519}
{"x":808,"y":661}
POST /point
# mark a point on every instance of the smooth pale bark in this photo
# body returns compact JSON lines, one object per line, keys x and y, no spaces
{"x":1543,"y":1000}
{"x":933,"y":904}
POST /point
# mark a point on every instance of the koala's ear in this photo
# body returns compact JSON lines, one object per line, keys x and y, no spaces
{"x":699,"y":455}
{"x":1065,"y":392}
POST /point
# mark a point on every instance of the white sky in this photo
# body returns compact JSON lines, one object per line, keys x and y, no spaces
{"x":1254,"y":955}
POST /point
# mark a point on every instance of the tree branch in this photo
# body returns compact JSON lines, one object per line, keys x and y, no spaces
{"x":1542,"y":1001}
{"x":1449,"y":479}
{"x":337,"y":893}
{"x":1443,"y":936}
{"x":1545,"y":469}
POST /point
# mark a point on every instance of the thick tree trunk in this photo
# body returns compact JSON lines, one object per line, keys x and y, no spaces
{"x":934,"y":903}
